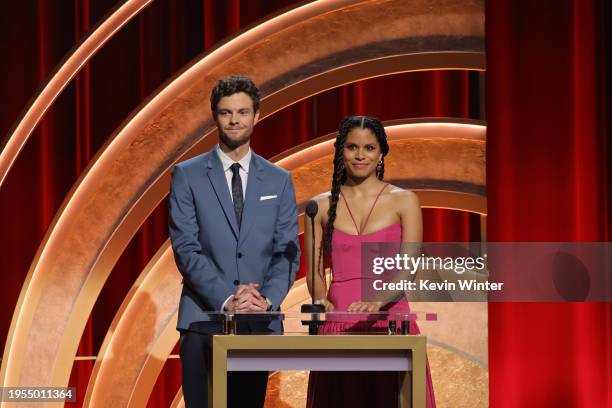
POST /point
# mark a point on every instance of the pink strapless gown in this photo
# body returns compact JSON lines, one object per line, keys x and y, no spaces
{"x":357,"y":389}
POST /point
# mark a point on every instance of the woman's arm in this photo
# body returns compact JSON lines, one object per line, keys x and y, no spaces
{"x":411,"y":219}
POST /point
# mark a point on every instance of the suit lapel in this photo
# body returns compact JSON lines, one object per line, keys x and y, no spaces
{"x":252,"y":197}
{"x":219,"y":184}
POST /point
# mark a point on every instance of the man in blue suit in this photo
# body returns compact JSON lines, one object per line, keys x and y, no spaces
{"x":233,"y":227}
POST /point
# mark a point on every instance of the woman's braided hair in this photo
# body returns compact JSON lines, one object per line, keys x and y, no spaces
{"x":339,"y":176}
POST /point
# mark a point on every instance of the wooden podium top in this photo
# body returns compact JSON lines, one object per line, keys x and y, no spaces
{"x":299,"y":351}
{"x":303,"y":341}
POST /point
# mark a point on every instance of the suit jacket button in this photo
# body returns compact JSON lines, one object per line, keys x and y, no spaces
{"x":236,"y":282}
{"x":239,"y":254}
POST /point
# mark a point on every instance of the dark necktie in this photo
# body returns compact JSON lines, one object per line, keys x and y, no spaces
{"x":237,"y":192}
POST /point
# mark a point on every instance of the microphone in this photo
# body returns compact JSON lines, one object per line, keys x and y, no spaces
{"x":312,"y":208}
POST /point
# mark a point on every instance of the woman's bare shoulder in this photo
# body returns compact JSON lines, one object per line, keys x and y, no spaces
{"x":402,"y":197}
{"x":322,"y":201}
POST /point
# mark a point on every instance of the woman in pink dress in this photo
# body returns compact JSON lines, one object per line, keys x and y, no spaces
{"x":360,"y":208}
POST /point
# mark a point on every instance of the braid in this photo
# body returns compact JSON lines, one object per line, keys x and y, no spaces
{"x":339,"y":177}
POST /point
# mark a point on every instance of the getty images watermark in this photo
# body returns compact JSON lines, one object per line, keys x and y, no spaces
{"x":494,"y":272}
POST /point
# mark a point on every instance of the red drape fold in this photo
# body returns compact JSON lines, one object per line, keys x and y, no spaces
{"x":547,"y":164}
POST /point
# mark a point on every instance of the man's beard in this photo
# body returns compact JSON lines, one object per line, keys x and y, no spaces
{"x":232,"y":144}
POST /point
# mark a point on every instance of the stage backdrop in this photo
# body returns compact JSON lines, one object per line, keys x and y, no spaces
{"x":161,"y":40}
{"x":548,"y":176}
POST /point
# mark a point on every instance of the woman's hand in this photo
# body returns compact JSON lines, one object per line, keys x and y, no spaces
{"x":329,"y":306}
{"x":365,"y":306}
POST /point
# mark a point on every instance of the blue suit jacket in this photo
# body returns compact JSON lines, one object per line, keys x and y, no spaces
{"x":212,"y":253}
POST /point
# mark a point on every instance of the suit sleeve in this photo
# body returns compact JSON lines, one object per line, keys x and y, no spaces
{"x":286,"y":257}
{"x":198,"y":272}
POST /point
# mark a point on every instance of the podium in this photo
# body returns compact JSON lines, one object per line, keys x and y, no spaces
{"x":300,"y":351}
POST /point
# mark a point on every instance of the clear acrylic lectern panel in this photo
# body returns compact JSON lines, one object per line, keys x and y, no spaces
{"x":295,"y":322}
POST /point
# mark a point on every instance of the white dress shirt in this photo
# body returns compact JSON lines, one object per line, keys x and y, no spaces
{"x":227,"y":162}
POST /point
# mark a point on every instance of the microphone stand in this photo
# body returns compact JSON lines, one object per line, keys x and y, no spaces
{"x":314,"y":309}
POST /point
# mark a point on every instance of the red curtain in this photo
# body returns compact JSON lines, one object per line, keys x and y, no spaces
{"x":548,"y":179}
{"x":162,"y":39}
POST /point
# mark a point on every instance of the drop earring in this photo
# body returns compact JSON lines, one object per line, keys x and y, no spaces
{"x":379,"y":168}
